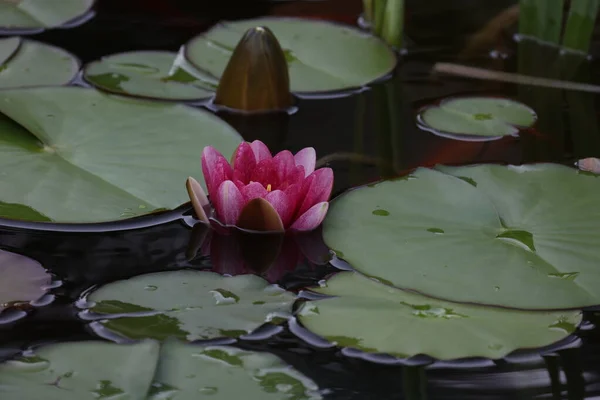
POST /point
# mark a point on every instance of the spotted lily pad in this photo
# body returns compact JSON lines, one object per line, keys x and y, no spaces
{"x":81,"y":370}
{"x":406,"y":324}
{"x":484,"y":117}
{"x":321,"y":56}
{"x":150,"y":74}
{"x":221,"y":373}
{"x":522,"y":237}
{"x":188,"y":305}
{"x":33,"y":63}
{"x":78,"y":155}
{"x":21,"y":279}
{"x":28,"y":14}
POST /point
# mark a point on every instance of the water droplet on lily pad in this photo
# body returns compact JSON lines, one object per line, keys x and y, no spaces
{"x":381,"y":213}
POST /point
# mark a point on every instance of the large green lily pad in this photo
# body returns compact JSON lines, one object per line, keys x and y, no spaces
{"x":21,"y":279}
{"x":82,"y":156}
{"x":524,"y":237}
{"x":189,"y":305}
{"x":406,"y":324}
{"x":222,"y":373}
{"x":149,"y":74}
{"x":81,"y":370}
{"x":28,"y":14}
{"x":32,"y":63}
{"x":321,"y":56}
{"x":484,"y":117}
{"x":140,"y":371}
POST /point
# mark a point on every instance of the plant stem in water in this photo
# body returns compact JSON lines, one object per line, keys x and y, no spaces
{"x":580,"y":24}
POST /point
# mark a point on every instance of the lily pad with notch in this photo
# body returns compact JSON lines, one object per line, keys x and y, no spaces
{"x":40,"y":14}
{"x":520,"y":237}
{"x":22,"y":279}
{"x":147,"y":74}
{"x":28,"y":63}
{"x":406,"y":324}
{"x":188,"y":305}
{"x":476,"y":118}
{"x":81,"y":370}
{"x":321,"y":56}
{"x":77,"y":155}
{"x":224,"y":372}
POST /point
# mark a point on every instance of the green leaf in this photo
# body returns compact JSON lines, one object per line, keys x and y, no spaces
{"x":25,"y":14}
{"x":8,"y":47}
{"x":37,"y":64}
{"x":477,"y":116}
{"x":91,"y":157}
{"x":21,"y":279}
{"x":321,"y":56}
{"x":220,"y":372}
{"x":149,"y":74}
{"x":81,"y":370}
{"x":189,"y":305}
{"x":522,"y":237}
{"x":406,"y":324}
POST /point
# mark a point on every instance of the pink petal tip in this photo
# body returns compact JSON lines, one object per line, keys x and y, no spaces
{"x":312,"y":218}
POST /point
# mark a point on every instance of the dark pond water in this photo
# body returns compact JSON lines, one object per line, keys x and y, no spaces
{"x":388,"y":143}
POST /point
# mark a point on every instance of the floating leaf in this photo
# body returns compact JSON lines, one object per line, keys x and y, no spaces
{"x":91,"y":157}
{"x":523,"y":237}
{"x":21,"y":279}
{"x":28,"y":14}
{"x":406,"y":324}
{"x":149,"y":74}
{"x":477,"y":116}
{"x":81,"y":370}
{"x":220,"y":372}
{"x":36,"y":64}
{"x":8,"y":47}
{"x":189,"y":305}
{"x":321,"y":56}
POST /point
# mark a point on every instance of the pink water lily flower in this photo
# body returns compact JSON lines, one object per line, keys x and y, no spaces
{"x":262,"y":192}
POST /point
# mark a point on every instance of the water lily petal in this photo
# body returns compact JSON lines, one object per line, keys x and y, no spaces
{"x":312,"y":218}
{"x":198,"y":198}
{"x":253,"y":190}
{"x":266,"y":173}
{"x":293,"y":192}
{"x":315,"y":189}
{"x":280,"y":202}
{"x":243,"y":162}
{"x":216,"y":169}
{"x":261,"y":151}
{"x":285,"y":165}
{"x":307,"y":157}
{"x":229,"y":203}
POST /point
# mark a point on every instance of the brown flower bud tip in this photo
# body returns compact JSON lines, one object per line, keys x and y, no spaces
{"x":256,"y":77}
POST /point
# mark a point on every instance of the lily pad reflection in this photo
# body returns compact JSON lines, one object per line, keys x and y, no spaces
{"x":188,"y":305}
{"x":406,"y":324}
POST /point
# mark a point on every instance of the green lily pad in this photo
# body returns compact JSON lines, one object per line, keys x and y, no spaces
{"x":81,"y":370}
{"x":36,"y":64}
{"x":321,"y":56}
{"x":486,"y":117}
{"x":28,"y":14}
{"x":522,"y":237}
{"x":8,"y":47}
{"x":189,"y":305}
{"x":82,"y":156}
{"x":149,"y":74}
{"x":406,"y":324}
{"x":221,"y":373}
{"x":21,"y":279}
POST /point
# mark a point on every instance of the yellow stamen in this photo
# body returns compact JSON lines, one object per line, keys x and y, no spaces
{"x":269,"y":187}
